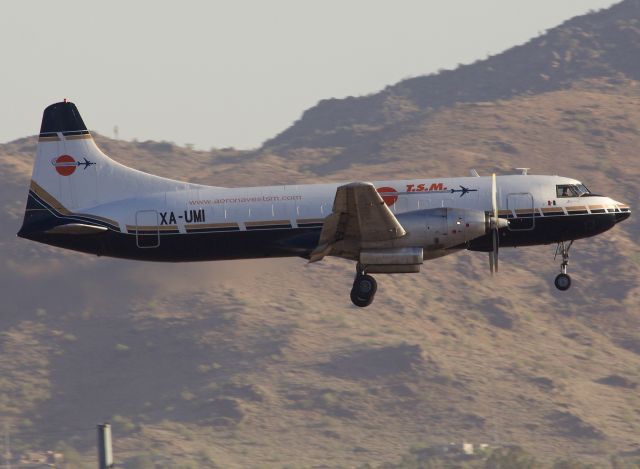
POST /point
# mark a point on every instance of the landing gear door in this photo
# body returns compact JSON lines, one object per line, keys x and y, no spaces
{"x":522,"y":205}
{"x":147,"y":230}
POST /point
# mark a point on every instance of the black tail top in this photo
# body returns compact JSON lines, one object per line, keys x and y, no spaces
{"x":62,"y":117}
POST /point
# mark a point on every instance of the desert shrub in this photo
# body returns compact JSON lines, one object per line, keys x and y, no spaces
{"x":511,"y":458}
{"x":572,"y":464}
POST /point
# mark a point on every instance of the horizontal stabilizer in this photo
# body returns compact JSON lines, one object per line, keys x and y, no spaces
{"x":77,"y":229}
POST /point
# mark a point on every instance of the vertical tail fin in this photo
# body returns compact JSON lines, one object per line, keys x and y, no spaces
{"x":71,"y":174}
{"x":65,"y":169}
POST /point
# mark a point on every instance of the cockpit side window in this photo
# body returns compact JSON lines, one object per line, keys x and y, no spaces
{"x":566,"y":190}
{"x":571,"y":190}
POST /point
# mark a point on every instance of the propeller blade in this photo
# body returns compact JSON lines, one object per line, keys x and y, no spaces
{"x":494,"y":196}
{"x":495,"y":234}
{"x":496,"y":247}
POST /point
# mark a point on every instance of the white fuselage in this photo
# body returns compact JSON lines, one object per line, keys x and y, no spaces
{"x":298,"y":204}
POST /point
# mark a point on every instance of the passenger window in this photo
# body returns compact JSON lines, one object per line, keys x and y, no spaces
{"x":237,"y":213}
{"x":401,"y":205}
{"x":280,"y":211}
{"x":306,"y":211}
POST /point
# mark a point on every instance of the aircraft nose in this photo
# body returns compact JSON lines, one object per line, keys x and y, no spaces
{"x":624,"y":213}
{"x":621,"y":216}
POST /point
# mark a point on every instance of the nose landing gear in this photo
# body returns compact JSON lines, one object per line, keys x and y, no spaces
{"x":364,"y":288}
{"x":563,"y":281}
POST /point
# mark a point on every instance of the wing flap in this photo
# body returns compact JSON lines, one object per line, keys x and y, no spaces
{"x":359,"y":217}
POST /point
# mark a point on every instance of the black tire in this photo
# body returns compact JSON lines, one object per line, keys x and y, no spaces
{"x":365,"y":285}
{"x":364,"y":290}
{"x":359,"y":301}
{"x":562,"y":282}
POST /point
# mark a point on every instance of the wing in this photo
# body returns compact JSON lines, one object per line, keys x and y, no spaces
{"x":360,"y":218}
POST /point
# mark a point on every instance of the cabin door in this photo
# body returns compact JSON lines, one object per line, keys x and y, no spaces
{"x":522,"y":206}
{"x":147,"y":230}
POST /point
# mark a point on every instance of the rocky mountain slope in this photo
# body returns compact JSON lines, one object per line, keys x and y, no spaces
{"x":596,"y":45}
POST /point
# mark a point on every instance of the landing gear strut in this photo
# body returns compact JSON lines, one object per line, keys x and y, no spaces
{"x":364,"y":288}
{"x":563,"y":281}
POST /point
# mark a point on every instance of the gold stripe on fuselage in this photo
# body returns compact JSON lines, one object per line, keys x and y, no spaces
{"x":152,"y":228}
{"x":210,"y":225}
{"x":267,"y":222}
{"x":53,"y":202}
{"x":49,"y":199}
{"x":552,"y":210}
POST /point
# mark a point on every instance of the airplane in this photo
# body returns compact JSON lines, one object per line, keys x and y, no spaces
{"x":108,"y":209}
{"x":464,"y":190}
{"x":86,"y":163}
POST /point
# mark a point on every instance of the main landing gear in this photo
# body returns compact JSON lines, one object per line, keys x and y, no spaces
{"x":364,"y":288}
{"x":563,"y":281}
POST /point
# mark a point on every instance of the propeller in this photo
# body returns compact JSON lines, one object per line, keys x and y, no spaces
{"x":493,"y":255}
{"x":496,"y":224}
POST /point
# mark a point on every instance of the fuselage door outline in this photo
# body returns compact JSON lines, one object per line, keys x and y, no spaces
{"x":147,"y":229}
{"x":522,"y":204}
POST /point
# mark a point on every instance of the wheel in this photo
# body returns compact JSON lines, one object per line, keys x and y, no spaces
{"x":360,"y":301}
{"x":563,"y":282}
{"x":363,"y":291}
{"x":365,"y":285}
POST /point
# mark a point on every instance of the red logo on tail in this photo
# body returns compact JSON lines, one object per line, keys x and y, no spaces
{"x":65,"y":165}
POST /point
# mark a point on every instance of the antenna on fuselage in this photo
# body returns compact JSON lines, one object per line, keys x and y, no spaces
{"x":523,"y":171}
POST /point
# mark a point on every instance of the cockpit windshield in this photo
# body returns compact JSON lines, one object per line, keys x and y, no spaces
{"x":572,"y":190}
{"x":582,"y":190}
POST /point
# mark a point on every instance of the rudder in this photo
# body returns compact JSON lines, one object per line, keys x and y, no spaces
{"x":65,"y":169}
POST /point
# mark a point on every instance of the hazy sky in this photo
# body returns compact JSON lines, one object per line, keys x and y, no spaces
{"x":234,"y":73}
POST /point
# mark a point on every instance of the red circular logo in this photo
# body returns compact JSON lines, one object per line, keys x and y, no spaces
{"x":65,"y":165}
{"x":388,"y":194}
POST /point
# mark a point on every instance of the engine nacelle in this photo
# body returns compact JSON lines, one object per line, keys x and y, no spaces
{"x":430,"y":233}
{"x":438,"y":229}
